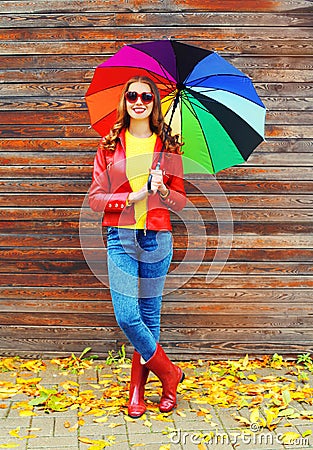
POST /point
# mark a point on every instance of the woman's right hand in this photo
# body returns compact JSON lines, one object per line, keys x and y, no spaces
{"x":135,"y":197}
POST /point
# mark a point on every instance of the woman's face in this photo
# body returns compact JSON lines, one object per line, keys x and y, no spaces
{"x":139,"y":110}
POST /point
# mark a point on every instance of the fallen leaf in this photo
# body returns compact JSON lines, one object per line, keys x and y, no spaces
{"x":101,"y":419}
{"x":289,"y":437}
{"x":114,"y":425}
{"x":11,"y":445}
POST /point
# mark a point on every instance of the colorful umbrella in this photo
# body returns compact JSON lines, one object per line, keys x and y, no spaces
{"x":209,"y":102}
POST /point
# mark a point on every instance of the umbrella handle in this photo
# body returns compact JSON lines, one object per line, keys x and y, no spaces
{"x":150,"y":179}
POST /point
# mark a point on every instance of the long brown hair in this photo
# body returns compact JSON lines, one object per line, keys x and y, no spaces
{"x":172,"y":144}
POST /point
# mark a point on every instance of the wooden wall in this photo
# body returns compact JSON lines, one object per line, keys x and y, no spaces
{"x":50,"y":302}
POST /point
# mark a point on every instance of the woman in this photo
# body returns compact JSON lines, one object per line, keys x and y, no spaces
{"x":139,"y":239}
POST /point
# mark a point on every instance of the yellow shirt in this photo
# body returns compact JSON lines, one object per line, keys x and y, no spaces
{"x":139,"y":156}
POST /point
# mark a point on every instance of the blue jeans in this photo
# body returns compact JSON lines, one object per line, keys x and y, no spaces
{"x":138,"y":262}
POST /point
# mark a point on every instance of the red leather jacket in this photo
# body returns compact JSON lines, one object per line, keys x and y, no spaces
{"x":110,"y":188}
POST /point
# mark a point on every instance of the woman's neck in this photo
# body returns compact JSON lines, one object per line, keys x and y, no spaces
{"x":140,"y":128}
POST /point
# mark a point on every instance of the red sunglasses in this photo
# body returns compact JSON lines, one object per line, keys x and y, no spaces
{"x":146,"y":97}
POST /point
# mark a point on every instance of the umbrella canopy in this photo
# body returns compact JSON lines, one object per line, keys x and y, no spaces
{"x":209,"y":102}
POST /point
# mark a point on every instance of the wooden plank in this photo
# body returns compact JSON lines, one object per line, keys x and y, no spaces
{"x":109,"y":19}
{"x":192,"y":215}
{"x":71,"y":144}
{"x":48,"y":117}
{"x":184,"y":295}
{"x":78,"y":75}
{"x":40,"y":333}
{"x":76,"y":91}
{"x":250,"y":254}
{"x":190,"y":241}
{"x":42,"y":131}
{"x":290,"y":19}
{"x":172,"y":282}
{"x":239,"y":173}
{"x":76,"y":61}
{"x":181,"y":310}
{"x":65,"y":227}
{"x":185,"y":311}
{"x":238,"y":268}
{"x":168,"y":320}
{"x":217,"y":200}
{"x":130,"y":33}
{"x":81,"y":6}
{"x":63,"y":104}
{"x":247,"y":46}
{"x":193,"y":186}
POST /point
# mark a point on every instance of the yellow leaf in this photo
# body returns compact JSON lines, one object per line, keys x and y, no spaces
{"x":255,"y":415}
{"x":165,"y":447}
{"x":270,"y":416}
{"x":286,"y":412}
{"x":15,"y":432}
{"x":86,"y":440}
{"x":9,"y":445}
{"x":289,"y":437}
{"x":30,"y":381}
{"x":245,"y":361}
{"x":243,"y":420}
{"x":201,"y":446}
{"x":162,"y":418}
{"x":27,"y":413}
{"x":147,"y":423}
{"x":129,"y":419}
{"x":74,"y":427}
{"x":29,"y":436}
{"x":69,"y":384}
{"x":306,"y":433}
{"x":101,"y":419}
{"x":252,"y":377}
{"x":205,"y":410}
{"x":113,"y":425}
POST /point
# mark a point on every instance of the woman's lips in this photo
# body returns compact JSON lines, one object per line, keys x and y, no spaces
{"x":139,"y":110}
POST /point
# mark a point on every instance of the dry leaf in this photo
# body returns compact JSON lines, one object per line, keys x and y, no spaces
{"x":289,"y":437}
{"x":114,"y":425}
{"x":10,"y":445}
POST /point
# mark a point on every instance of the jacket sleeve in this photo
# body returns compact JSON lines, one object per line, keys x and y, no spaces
{"x":100,"y":196}
{"x":176,"y":199}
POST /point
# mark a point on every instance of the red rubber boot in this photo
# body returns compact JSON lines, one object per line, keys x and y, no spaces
{"x":138,"y":379}
{"x":170,"y":376}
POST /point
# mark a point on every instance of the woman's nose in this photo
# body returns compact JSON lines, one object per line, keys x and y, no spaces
{"x":139,"y":101}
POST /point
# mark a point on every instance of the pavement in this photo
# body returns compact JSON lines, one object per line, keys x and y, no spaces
{"x":92,"y":414}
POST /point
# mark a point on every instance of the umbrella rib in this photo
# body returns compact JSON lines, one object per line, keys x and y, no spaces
{"x":196,"y":81}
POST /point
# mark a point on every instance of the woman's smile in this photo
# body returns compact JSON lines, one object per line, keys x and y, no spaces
{"x":139,"y":109}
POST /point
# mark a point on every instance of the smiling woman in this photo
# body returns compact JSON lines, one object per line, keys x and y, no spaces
{"x":139,"y":238}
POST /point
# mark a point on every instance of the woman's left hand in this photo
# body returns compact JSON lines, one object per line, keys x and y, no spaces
{"x":157,"y":181}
